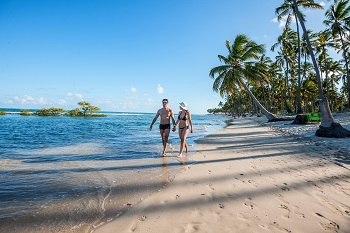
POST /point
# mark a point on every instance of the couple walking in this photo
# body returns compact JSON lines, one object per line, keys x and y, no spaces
{"x":184,"y":121}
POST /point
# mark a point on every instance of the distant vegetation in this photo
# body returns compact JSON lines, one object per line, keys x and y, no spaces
{"x":50,"y":112}
{"x":86,"y":110}
{"x":216,"y":110}
{"x":2,"y":112}
{"x":25,"y":113}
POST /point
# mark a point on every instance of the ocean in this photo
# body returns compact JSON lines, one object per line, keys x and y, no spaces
{"x":71,"y":174}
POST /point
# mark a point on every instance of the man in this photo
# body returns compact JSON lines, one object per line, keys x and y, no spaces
{"x":165,"y":114}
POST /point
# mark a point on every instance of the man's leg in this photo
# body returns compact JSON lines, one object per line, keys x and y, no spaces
{"x":162,"y":135}
{"x":166,"y":137}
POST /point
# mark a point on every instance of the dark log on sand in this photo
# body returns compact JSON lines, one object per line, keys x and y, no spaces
{"x":334,"y":131}
{"x":300,"y":119}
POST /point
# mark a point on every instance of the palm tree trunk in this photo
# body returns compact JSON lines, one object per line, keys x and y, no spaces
{"x":286,"y":89}
{"x":269,"y":115}
{"x":299,"y":70}
{"x":346,"y":66}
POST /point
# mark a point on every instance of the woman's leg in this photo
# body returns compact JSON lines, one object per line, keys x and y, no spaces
{"x":183,"y":134}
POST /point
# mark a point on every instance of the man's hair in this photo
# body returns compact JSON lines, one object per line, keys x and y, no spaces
{"x":165,"y":100}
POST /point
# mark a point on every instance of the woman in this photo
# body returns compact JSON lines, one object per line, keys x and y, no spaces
{"x":182,"y":119}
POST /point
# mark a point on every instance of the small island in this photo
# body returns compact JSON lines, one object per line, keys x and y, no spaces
{"x":85,"y":110}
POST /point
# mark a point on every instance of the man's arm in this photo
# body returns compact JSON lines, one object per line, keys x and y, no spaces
{"x":177,"y":121}
{"x":154,"y":120}
{"x":172,"y":117}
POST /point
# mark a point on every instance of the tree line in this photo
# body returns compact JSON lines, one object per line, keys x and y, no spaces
{"x":85,"y":110}
{"x":303,"y":77}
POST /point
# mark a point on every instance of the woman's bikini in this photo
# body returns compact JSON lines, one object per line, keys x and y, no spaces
{"x":184,"y":118}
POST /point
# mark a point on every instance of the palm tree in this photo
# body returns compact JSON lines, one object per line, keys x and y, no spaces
{"x":238,"y":68}
{"x":287,"y":9}
{"x":338,"y":21}
{"x":328,"y":127}
{"x":286,"y":44}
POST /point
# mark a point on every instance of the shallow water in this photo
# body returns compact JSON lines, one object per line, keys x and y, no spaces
{"x":64,"y":167}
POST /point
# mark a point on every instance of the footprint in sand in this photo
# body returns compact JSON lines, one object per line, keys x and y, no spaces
{"x":142,"y":218}
{"x":286,"y":215}
{"x":329,"y":225}
{"x":297,"y":212}
{"x":249,"y":204}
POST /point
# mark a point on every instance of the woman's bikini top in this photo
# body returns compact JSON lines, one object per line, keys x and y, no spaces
{"x":183,"y":118}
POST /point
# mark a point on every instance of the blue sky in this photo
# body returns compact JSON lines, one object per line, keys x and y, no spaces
{"x":124,"y":55}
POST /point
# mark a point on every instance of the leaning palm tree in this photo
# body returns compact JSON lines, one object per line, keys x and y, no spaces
{"x":328,"y":127}
{"x":338,"y":21}
{"x":287,"y":11}
{"x":239,"y":69}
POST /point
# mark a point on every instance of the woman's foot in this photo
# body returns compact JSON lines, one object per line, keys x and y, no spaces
{"x":164,"y":154}
{"x":179,"y":156}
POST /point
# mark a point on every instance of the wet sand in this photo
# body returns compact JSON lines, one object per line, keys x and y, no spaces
{"x":248,"y":178}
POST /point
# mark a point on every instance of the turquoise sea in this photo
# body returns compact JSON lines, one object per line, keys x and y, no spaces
{"x":86,"y":167}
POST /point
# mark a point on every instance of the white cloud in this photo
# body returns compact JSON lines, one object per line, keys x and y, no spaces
{"x":79,"y":96}
{"x":19,"y":99}
{"x":28,"y":97}
{"x":283,"y":21}
{"x":41,"y":100}
{"x":9,"y":102}
{"x":133,"y":89}
{"x":160,"y":89}
{"x":322,"y":3}
{"x":72,"y":95}
{"x":62,"y":102}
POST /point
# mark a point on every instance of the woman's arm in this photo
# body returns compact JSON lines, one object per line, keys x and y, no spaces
{"x":190,"y":120}
{"x":177,"y":121}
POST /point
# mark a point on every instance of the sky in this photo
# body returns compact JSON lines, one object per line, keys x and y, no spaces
{"x":125,"y":55}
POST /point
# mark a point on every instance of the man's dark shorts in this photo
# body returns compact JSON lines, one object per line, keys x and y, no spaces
{"x":163,"y":127}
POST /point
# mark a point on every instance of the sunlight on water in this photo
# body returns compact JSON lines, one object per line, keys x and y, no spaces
{"x":76,"y":149}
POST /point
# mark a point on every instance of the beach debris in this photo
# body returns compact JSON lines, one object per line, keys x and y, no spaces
{"x":221,"y":206}
{"x":142,"y":218}
{"x":177,"y":196}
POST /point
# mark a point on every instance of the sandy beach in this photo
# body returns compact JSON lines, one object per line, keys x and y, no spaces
{"x":249,"y":178}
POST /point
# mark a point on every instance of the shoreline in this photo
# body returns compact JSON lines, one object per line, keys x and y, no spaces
{"x":248,"y":178}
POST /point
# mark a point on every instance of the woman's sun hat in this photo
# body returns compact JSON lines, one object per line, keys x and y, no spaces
{"x":183,"y":105}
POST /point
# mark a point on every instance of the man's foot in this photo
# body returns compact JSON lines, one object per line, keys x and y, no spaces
{"x":164,"y":154}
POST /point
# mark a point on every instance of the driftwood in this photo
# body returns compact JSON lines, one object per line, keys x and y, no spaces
{"x":334,"y":131}
{"x":284,"y":118}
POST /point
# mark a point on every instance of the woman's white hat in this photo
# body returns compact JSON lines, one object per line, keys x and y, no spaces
{"x":183,"y":105}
